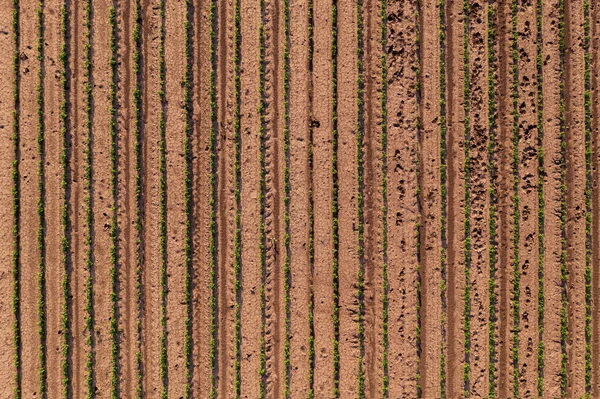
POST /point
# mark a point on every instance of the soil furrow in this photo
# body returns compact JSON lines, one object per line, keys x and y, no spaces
{"x":431,"y":205}
{"x":575,"y":231}
{"x":273,"y":164}
{"x":175,"y":15}
{"x":552,"y":199}
{"x":479,"y":181}
{"x":251,"y":315}
{"x":226,"y":204}
{"x":528,"y":199}
{"x":52,"y":144}
{"x":152,"y":284}
{"x":373,"y":201}
{"x":455,"y":233}
{"x":203,"y":212}
{"x":28,"y":164}
{"x":349,"y":251}
{"x":300,"y":163}
{"x":323,"y":140}
{"x":102,"y":199}
{"x":403,"y":214}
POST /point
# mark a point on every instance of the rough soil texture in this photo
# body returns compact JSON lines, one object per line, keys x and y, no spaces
{"x":486,"y":273}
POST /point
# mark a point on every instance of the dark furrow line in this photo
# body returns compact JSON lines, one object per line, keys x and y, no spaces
{"x":139,"y":184}
{"x":541,"y":205}
{"x":162,"y":160}
{"x":114,"y":232}
{"x":563,"y":207}
{"x":443,"y":193}
{"x":311,"y":202}
{"x":16,"y":200}
{"x":238,"y":199}
{"x":493,"y":251}
{"x":588,"y":198}
{"x":360,"y":132}
{"x":467,"y":205}
{"x":515,"y":201}
{"x":419,"y":217}
{"x":384,"y":213}
{"x":286,"y":199}
{"x":41,"y":206}
{"x":66,"y":187}
{"x":335,"y":204}
{"x":188,"y":202}
{"x":261,"y":199}
{"x":213,"y":199}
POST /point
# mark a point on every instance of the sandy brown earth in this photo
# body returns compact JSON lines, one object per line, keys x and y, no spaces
{"x":354,"y":173}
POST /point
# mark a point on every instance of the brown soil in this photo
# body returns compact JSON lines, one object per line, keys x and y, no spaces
{"x":417,"y":342}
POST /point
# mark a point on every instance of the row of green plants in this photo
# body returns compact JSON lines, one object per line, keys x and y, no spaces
{"x":64,"y":214}
{"x":384,"y":208}
{"x":41,"y":205}
{"x":334,"y":201}
{"x":360,"y":125}
{"x":238,"y":201}
{"x":187,"y":197}
{"x":213,"y":197}
{"x":541,"y":204}
{"x":516,"y":283}
{"x":467,"y":203}
{"x":419,"y":220}
{"x":311,"y":213}
{"x":493,"y":198}
{"x":16,"y":201}
{"x":287,"y":272}
{"x":162,"y":213}
{"x":114,"y":236}
{"x":261,"y":200}
{"x":588,"y":198}
{"x":137,"y":149}
{"x":563,"y":206}
{"x":88,"y":200}
{"x":443,"y":192}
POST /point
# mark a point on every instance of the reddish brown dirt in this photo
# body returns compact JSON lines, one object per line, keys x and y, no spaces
{"x":7,"y":157}
{"x":416,"y":342}
{"x":322,"y":197}
{"x":430,"y":200}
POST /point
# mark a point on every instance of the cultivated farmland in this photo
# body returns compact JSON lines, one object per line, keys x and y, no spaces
{"x":299,"y":199}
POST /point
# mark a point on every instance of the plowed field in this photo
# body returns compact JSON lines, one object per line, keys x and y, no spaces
{"x":299,"y":199}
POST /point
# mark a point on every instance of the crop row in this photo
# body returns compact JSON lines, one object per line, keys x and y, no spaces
{"x":360,"y":127}
{"x":88,"y":200}
{"x":311,"y":202}
{"x":162,"y":213}
{"x":541,"y":205}
{"x":515,"y":200}
{"x":16,"y":202}
{"x":41,"y":205}
{"x":287,"y":272}
{"x":493,"y":198}
{"x":137,"y":127}
{"x":64,"y":214}
{"x":334,"y":200}
{"x":467,"y":207}
{"x":213,"y":193}
{"x":588,"y":199}
{"x":563,"y":205}
{"x":114,"y":239}
{"x":384,"y":209}
{"x":187,"y":198}
{"x":238,"y":201}
{"x":443,"y":192}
